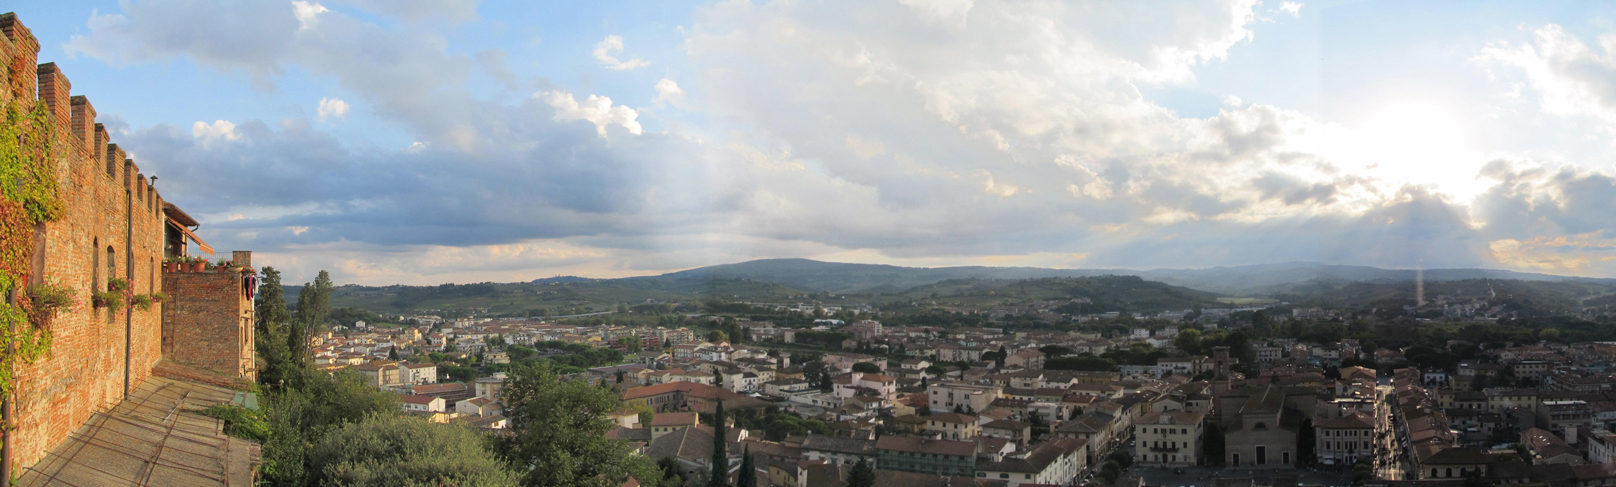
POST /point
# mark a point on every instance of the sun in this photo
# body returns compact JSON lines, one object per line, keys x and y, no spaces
{"x":1416,"y":142}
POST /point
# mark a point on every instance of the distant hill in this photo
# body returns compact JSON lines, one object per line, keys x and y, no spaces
{"x":835,"y":277}
{"x":793,"y":280}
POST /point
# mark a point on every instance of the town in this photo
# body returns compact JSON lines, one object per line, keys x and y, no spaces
{"x":1236,"y":396}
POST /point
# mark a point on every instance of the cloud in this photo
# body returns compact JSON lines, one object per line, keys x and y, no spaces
{"x":668,"y":91}
{"x":219,"y":130}
{"x":1570,"y":78}
{"x":450,"y":11}
{"x":332,"y":108}
{"x":922,"y":132}
{"x":605,"y":50}
{"x":597,"y":110}
{"x":308,"y":14}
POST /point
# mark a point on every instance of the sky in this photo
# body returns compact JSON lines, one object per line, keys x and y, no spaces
{"x":432,"y":141}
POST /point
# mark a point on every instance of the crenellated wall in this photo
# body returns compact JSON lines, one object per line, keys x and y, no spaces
{"x":112,"y":226}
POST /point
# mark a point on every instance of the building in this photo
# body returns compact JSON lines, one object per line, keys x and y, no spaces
{"x":112,"y":224}
{"x":945,"y":396}
{"x":1051,"y":463}
{"x":1565,"y":417}
{"x":665,"y":423}
{"x":1260,"y":431}
{"x":935,"y":457}
{"x":1345,"y":440}
{"x":838,"y":451}
{"x":423,"y":404}
{"x":1168,"y":438}
{"x":953,"y":426}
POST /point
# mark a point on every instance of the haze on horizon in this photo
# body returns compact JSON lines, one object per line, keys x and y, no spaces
{"x":421,"y":142}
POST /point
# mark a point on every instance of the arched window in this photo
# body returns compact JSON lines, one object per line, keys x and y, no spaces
{"x":95,"y":266}
{"x":1449,"y":472}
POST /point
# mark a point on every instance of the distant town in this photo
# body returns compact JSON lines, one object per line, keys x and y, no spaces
{"x":1447,"y":390}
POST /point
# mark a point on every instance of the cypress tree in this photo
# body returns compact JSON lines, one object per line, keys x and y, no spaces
{"x":720,"y":449}
{"x":748,"y":476}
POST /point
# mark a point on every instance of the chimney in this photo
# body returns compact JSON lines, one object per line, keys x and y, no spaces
{"x":83,"y":122}
{"x":54,"y":91}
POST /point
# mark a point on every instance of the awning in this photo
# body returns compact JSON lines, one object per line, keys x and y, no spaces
{"x":188,"y":234}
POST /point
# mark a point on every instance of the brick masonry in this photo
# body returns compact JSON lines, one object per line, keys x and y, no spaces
{"x":113,"y":226}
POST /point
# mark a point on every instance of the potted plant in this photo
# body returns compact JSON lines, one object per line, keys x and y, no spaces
{"x":159,"y":297}
{"x":141,"y":302}
{"x":113,"y":301}
{"x":46,"y":300}
{"x":198,"y":264}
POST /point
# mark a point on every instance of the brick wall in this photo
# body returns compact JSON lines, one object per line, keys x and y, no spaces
{"x":112,"y":213}
{"x":208,"y":322}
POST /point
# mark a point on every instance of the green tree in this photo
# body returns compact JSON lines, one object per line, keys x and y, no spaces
{"x":313,"y":304}
{"x":558,"y":432}
{"x":392,"y":353}
{"x":390,"y":450}
{"x":720,"y":475}
{"x":271,"y":332}
{"x":861,"y":475}
{"x":867,"y":367}
{"x":1189,"y":341}
{"x":748,"y":474}
{"x":716,"y":336}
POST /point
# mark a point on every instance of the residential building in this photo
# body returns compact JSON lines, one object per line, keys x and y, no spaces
{"x":1168,"y":438}
{"x":936,"y":457}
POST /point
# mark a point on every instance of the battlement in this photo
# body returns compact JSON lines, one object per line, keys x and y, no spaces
{"x":113,"y":226}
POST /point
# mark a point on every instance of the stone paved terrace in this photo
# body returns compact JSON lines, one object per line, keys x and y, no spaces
{"x":155,"y":438}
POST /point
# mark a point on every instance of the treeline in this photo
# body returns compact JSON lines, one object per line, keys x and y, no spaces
{"x":336,"y":429}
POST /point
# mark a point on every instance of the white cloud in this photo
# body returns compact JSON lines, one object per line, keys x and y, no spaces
{"x":606,"y":50}
{"x":307,"y":13}
{"x":332,"y":108}
{"x":668,"y":91}
{"x":1569,"y":76}
{"x":1293,"y":8}
{"x":597,"y":110}
{"x":219,"y":130}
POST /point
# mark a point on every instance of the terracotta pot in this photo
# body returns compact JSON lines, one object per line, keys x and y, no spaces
{"x":169,"y":267}
{"x":199,"y":266}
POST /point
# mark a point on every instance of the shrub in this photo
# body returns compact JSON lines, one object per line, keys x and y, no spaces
{"x":240,"y":422}
{"x":118,"y":285}
{"x":387,"y":450}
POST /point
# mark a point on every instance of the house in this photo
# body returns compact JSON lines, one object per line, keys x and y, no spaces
{"x":664,"y":423}
{"x":947,"y":395}
{"x":838,"y":451}
{"x":1168,"y":438}
{"x":478,"y":406}
{"x":1014,"y":431}
{"x":953,"y":426}
{"x":1345,"y":440}
{"x":690,"y":448}
{"x":1026,"y":359}
{"x":1548,"y":448}
{"x":883,"y":386}
{"x":1051,"y":463}
{"x":935,"y":457}
{"x":1454,"y":463}
{"x":1260,"y":430}
{"x":425,"y":404}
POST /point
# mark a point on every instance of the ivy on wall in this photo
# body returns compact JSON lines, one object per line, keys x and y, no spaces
{"x":28,"y":197}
